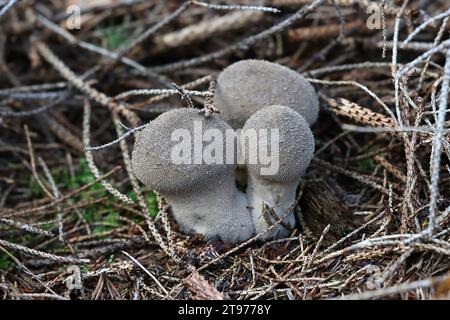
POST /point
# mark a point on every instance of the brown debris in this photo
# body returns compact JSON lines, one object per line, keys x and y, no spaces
{"x":200,"y":288}
{"x":364,"y":205}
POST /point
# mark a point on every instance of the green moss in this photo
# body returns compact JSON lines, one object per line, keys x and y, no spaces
{"x":47,"y":226}
{"x":5,"y":262}
{"x":367,"y":165}
{"x":152,"y":201}
{"x":34,"y":187}
{"x":132,"y":195}
{"x":112,"y":218}
{"x":113,"y":36}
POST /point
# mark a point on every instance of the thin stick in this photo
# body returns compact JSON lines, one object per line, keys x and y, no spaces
{"x":394,"y":62}
{"x":65,"y":197}
{"x":124,"y":136}
{"x":424,"y":25}
{"x":26,"y":227}
{"x":437,"y":146}
{"x":7,"y":6}
{"x":33,"y":164}
{"x":235,"y":7}
{"x":41,"y":254}
{"x":127,"y":47}
{"x":147,"y":272}
{"x":144,"y":92}
{"x":426,"y":283}
{"x":78,"y":83}
{"x":243,"y":44}
{"x":90,"y":158}
{"x":56,"y":195}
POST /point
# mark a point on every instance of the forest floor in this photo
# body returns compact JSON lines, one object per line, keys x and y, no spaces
{"x":374,"y":206}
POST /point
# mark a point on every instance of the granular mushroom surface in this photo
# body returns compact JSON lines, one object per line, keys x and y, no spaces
{"x":249,"y":85}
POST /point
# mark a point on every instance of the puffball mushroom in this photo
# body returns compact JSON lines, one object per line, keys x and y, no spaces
{"x":274,"y":192}
{"x":249,"y":85}
{"x":203,"y":197}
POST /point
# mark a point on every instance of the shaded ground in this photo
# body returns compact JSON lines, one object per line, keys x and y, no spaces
{"x":373,"y":208}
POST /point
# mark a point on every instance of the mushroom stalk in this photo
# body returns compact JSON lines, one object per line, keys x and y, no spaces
{"x":269,"y":202}
{"x":218,"y":212}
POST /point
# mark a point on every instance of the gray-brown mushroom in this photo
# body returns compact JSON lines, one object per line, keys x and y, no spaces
{"x":249,"y":85}
{"x":272,"y":194}
{"x":203,"y":196}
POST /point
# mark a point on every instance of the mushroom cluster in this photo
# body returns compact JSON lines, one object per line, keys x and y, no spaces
{"x":253,"y":96}
{"x":204,"y":197}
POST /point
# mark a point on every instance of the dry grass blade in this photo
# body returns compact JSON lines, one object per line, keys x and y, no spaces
{"x":360,"y":114}
{"x":40,"y":254}
{"x":90,"y":157}
{"x":432,"y":282}
{"x":147,"y":272}
{"x":7,"y":6}
{"x":437,"y":145}
{"x":77,"y":82}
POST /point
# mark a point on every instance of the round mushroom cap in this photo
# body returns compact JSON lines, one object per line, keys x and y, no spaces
{"x":248,"y":85}
{"x":167,"y":155}
{"x":290,"y":159}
